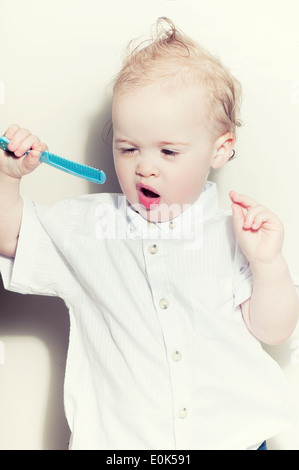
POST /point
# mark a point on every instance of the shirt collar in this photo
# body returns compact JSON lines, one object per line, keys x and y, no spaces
{"x":186,"y":223}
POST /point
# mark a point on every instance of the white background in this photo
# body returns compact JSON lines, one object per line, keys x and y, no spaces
{"x":58,"y":58}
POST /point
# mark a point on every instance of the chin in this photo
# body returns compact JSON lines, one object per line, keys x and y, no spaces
{"x":160,"y":213}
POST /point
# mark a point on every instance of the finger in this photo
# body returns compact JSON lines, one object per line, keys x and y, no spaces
{"x":19,"y":136}
{"x":39,"y":146}
{"x":26,"y":144}
{"x":31,"y":161}
{"x":260,"y":219}
{"x":252,"y":214}
{"x":242,"y":199}
{"x":238,"y":217}
{"x":10,"y":132}
{"x":265,"y":219}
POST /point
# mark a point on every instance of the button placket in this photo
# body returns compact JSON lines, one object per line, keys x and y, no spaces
{"x":157,"y":253}
{"x":170,"y":330}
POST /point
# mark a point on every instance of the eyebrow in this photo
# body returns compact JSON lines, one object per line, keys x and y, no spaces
{"x":123,"y":141}
{"x":161,"y":144}
{"x":183,"y":144}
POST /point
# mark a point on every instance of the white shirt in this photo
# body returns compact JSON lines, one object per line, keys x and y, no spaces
{"x":159,"y":355}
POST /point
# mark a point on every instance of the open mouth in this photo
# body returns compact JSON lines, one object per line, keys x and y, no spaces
{"x":149,"y":193}
{"x":147,"y":196}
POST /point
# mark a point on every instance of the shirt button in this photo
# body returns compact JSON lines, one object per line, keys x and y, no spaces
{"x":183,"y":413}
{"x":171,"y":224}
{"x":164,"y":304}
{"x":176,"y":356}
{"x":153,"y":249}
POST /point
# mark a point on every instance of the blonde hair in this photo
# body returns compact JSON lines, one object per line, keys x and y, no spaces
{"x":174,"y":59}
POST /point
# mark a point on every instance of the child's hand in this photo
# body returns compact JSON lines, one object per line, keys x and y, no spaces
{"x":17,"y":165}
{"x":259,"y":232}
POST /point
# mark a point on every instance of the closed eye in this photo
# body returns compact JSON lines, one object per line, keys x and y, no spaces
{"x":169,"y":152}
{"x":128,"y":150}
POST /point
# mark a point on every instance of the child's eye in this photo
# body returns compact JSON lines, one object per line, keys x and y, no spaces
{"x":128,"y":150}
{"x":172,"y":153}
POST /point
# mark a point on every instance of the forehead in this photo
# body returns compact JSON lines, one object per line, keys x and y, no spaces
{"x":155,"y":104}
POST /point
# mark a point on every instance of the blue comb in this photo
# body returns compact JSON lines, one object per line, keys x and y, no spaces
{"x":76,"y":169}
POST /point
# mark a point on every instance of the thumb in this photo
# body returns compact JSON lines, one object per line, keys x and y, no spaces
{"x":238,"y":217}
{"x":31,"y":161}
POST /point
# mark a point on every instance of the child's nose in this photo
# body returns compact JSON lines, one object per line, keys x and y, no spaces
{"x":146,"y":167}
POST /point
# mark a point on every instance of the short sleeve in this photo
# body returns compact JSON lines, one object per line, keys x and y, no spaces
{"x":38,"y":267}
{"x":242,"y":278}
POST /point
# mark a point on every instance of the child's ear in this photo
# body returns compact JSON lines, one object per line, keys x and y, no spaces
{"x":223,"y":150}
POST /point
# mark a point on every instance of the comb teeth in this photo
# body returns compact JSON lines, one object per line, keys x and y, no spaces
{"x":74,"y":167}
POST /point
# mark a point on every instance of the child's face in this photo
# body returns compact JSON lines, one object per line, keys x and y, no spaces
{"x":162,"y":150}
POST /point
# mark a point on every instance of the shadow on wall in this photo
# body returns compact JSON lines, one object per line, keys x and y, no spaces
{"x":47,"y":319}
{"x":99,"y":152}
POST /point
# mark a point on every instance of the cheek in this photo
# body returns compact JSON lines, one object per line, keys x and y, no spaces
{"x":189,"y":186}
{"x":121,"y":169}
{"x":125,"y":175}
{"x":187,"y":191}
